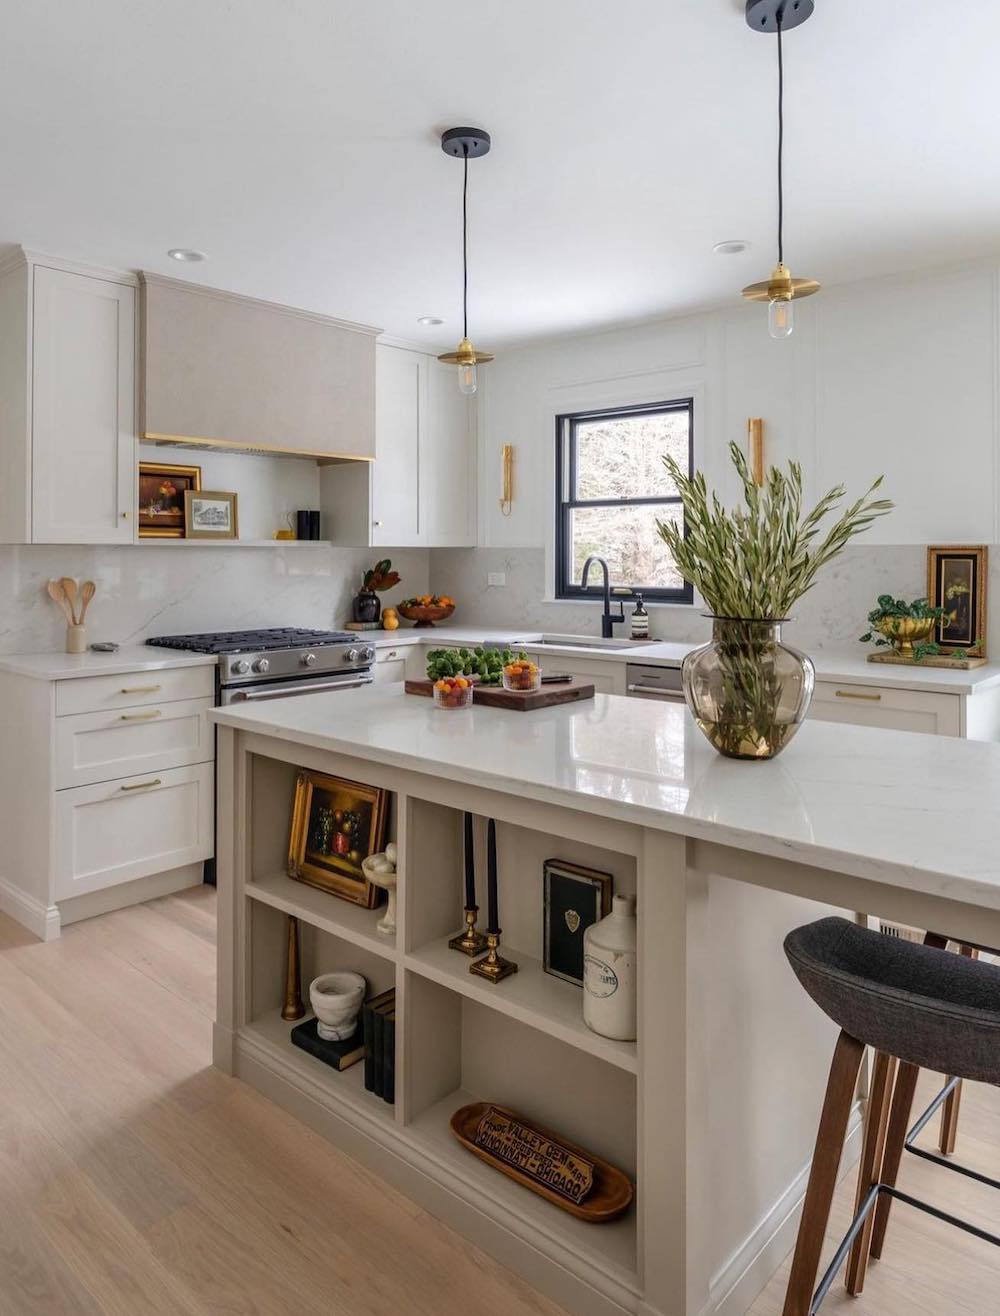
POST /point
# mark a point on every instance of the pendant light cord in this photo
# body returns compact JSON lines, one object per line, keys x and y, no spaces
{"x":781,"y":146}
{"x":465,"y":245}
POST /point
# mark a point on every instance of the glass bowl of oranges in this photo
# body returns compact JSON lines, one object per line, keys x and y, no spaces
{"x":521,"y":675}
{"x":453,"y":692}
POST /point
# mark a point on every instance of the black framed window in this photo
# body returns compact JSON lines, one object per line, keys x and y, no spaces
{"x":612,"y":488}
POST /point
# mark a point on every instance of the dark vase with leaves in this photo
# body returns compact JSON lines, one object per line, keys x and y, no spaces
{"x":365,"y":606}
{"x":749,"y":692}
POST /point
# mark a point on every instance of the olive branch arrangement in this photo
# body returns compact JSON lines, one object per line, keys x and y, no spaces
{"x":758,"y":560}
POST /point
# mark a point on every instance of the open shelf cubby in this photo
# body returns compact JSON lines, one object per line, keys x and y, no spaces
{"x":434,"y":901}
{"x":460,"y":1051}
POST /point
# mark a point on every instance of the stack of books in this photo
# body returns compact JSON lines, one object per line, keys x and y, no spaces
{"x":378,"y":1027}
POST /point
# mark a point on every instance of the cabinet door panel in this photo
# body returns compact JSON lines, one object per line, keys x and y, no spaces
{"x":83,"y":409}
{"x":449,"y":464}
{"x":92,"y":747}
{"x":400,"y":404}
{"x":118,"y":831}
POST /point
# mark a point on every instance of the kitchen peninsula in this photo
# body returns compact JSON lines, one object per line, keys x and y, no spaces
{"x":712,"y":1111}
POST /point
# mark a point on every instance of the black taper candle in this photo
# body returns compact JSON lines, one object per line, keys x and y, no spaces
{"x":493,"y":924}
{"x":470,"y":865}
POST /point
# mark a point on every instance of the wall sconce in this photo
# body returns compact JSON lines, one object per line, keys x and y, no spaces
{"x":506,"y":478}
{"x":755,"y":432}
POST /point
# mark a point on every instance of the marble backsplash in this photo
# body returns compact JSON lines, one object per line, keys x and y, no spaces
{"x":832,"y":613}
{"x":151,"y":590}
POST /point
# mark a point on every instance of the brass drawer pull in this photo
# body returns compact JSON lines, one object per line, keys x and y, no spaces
{"x":855,"y":694}
{"x":142,"y":785}
{"x":140,"y":689}
{"x":140,"y":717}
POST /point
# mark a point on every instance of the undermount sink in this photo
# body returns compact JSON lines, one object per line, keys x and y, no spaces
{"x":591,"y":642}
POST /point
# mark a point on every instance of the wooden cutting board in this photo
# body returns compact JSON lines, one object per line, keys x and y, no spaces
{"x":550,"y":1165}
{"x":522,"y":701}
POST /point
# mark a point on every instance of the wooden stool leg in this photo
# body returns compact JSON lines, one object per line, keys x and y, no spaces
{"x":870,"y":1168}
{"x":949,"y":1112}
{"x":899,"y":1123}
{"x":840,"y":1090}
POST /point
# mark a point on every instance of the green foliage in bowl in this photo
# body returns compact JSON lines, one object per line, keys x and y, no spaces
{"x":906,"y":627}
{"x":486,"y":664}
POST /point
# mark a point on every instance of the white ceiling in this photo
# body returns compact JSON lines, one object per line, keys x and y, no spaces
{"x":296,"y":141}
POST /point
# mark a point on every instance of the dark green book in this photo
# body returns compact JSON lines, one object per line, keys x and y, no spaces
{"x":371,"y":1013}
{"x":389,"y":1055}
{"x":339,"y":1055}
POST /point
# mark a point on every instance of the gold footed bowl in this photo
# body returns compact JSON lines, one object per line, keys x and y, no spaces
{"x":905,"y":632}
{"x":748,"y":692}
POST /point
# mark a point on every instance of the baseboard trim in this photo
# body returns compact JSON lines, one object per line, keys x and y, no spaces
{"x":43,"y":921}
{"x":737,"y":1285}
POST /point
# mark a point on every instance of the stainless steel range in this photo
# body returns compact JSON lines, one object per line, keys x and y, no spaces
{"x":271,"y":664}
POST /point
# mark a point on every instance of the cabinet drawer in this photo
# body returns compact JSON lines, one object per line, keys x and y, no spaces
{"x":93,"y":747}
{"x":389,"y":669}
{"x":96,"y":694}
{"x":121,"y":830}
{"x":884,"y":706}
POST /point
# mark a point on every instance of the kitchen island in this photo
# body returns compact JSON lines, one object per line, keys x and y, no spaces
{"x":713,"y":1110}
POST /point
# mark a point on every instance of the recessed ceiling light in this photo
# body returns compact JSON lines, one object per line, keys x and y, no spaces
{"x":731,"y":247}
{"x":429,"y":319}
{"x":188,"y":254}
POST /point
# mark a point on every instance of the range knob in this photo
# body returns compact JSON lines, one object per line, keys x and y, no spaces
{"x":351,"y":656}
{"x":308,"y":660}
{"x":241,"y":667}
{"x":367,"y":653}
{"x":262,"y":665}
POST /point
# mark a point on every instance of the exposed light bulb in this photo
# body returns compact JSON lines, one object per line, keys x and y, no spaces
{"x":467,"y":381}
{"x":780,"y":317}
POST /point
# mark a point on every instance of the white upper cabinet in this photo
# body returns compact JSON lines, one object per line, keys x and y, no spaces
{"x":421,"y":489}
{"x":67,"y":405}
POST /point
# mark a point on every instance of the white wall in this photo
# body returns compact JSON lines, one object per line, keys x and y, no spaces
{"x":899,"y":377}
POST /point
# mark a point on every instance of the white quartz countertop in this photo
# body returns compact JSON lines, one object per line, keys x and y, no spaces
{"x":917,"y":811}
{"x":134,"y":658}
{"x":848,"y":665}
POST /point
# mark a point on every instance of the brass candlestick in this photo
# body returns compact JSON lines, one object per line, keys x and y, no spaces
{"x":469,"y":942}
{"x":293,"y":1007}
{"x":494,"y":968}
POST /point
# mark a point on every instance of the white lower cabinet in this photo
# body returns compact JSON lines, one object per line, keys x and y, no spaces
{"x":120,"y":830}
{"x":889,"y":708}
{"x":92,"y":747}
{"x":390,"y":665}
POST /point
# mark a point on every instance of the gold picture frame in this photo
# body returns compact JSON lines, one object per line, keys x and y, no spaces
{"x":335,"y":824}
{"x":161,"y":490}
{"x":957,"y":576}
{"x":210,"y":514}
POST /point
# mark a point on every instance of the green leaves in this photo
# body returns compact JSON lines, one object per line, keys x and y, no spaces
{"x":757,"y":560}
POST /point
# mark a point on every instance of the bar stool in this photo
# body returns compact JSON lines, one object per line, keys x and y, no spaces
{"x":918,"y":1007}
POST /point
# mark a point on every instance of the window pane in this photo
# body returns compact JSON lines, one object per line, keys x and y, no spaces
{"x":627,"y":537}
{"x":622,"y":456}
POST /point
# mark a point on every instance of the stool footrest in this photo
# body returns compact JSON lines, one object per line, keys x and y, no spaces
{"x":944,"y":1161}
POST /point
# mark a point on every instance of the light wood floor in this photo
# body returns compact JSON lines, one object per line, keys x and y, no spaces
{"x":137,"y":1180}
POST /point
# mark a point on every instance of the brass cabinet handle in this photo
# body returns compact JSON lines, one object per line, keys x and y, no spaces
{"x":140,"y":689}
{"x":140,"y":717}
{"x":142,"y":785}
{"x":855,"y":694}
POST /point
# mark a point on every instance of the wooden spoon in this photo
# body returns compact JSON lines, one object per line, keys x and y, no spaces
{"x":87,"y":591}
{"x":58,"y":594}
{"x":69,"y":589}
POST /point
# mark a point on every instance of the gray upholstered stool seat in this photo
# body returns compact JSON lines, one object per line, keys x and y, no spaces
{"x":933,"y":1009}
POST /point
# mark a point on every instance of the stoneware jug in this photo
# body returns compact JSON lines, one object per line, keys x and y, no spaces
{"x":609,"y":972}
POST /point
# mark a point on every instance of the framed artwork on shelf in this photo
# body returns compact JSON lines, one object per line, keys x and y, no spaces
{"x":956,"y":581}
{"x":162,"y":488}
{"x":335,"y":825}
{"x":575,"y":897}
{"x":210,"y":515}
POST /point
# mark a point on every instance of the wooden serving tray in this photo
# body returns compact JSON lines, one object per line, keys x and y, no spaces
{"x":551,"y":1166}
{"x":523,"y":701}
{"x":939,"y":660}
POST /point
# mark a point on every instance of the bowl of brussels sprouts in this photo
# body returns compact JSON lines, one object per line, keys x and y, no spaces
{"x":476,"y":663}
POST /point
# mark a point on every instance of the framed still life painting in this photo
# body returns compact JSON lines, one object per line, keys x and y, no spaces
{"x":335,"y":824}
{"x":575,"y":898}
{"x":161,"y":498}
{"x":956,"y":582}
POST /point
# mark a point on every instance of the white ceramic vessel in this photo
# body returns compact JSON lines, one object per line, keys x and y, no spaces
{"x":380,"y":870}
{"x":609,"y":972}
{"x":336,"y":1001}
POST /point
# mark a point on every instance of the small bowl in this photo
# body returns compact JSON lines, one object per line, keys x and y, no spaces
{"x":520,"y":682}
{"x":336,"y":1001}
{"x":454,"y":697}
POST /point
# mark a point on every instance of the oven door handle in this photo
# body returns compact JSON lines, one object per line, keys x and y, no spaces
{"x":657,"y":692}
{"x":248,"y":696}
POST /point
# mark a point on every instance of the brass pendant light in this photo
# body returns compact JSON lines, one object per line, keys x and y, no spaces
{"x":780,"y":291}
{"x":465,"y":144}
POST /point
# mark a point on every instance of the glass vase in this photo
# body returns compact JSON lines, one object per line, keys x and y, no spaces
{"x":748,"y":692}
